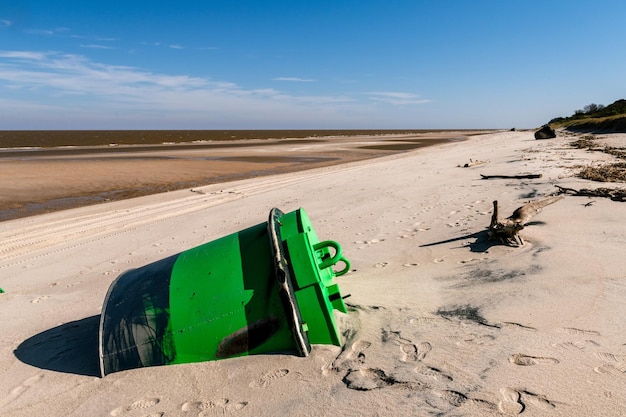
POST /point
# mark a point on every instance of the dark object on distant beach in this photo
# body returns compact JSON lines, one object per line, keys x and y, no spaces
{"x":512,"y":129}
{"x":546,"y":132}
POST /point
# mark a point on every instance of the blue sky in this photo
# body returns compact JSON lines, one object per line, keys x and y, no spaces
{"x":318,"y":64}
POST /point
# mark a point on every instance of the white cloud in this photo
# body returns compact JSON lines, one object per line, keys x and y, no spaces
{"x":396,"y":98}
{"x":28,"y":55}
{"x":58,"y":90}
{"x":74,"y":74}
{"x":5,"y":23}
{"x":296,"y":79}
{"x":159,"y":44}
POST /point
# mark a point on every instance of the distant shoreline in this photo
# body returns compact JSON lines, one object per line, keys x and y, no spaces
{"x":58,"y":138}
{"x":47,"y":179}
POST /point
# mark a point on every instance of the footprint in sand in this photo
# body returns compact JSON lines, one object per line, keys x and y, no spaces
{"x":268,"y":378}
{"x":609,"y":369}
{"x":214,"y":407}
{"x":610,"y":357}
{"x":527,"y":360}
{"x":369,"y":242}
{"x":432,"y":372}
{"x":511,"y":404}
{"x":516,"y":401}
{"x":458,"y":399}
{"x":414,"y":353}
{"x":454,"y":398}
{"x":537,"y":400}
{"x":422,"y":349}
{"x":614,"y":364}
{"x":395,"y":336}
{"x":421,"y":320}
{"x":351,"y":357}
{"x":569,"y":345}
{"x":367,"y":379}
{"x":141,"y":404}
{"x":20,"y":389}
{"x":40,"y":299}
{"x":410,"y":351}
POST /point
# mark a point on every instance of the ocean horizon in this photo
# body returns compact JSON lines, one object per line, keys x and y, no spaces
{"x":56,"y":138}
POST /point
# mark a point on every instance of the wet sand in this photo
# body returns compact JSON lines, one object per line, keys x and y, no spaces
{"x":41,"y":180}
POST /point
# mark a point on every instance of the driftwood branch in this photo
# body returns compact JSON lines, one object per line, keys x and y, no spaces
{"x":612,"y":193}
{"x":507,"y":230}
{"x":519,"y":177}
{"x":473,"y":163}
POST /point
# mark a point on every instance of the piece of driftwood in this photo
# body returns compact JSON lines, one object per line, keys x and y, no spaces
{"x":473,"y":163}
{"x":612,"y":193}
{"x":507,"y":230}
{"x":517,"y":177}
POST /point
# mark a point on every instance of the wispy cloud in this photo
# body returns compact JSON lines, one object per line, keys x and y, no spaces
{"x":46,"y":32}
{"x":60,"y":90}
{"x":5,"y":23}
{"x":73,"y":84}
{"x":296,"y":79}
{"x":27,"y":55}
{"x":397,"y":98}
{"x":68,"y":73}
{"x":164,"y":45}
{"x":49,"y":32}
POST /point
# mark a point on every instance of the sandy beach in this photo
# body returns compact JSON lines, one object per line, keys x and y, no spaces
{"x":441,"y":320}
{"x":38,"y":180}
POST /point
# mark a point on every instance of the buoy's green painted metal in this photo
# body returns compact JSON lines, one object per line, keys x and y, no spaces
{"x":266,"y":289}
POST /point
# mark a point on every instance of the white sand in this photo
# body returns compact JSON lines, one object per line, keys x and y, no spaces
{"x":441,"y":322}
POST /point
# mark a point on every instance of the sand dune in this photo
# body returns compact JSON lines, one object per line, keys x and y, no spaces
{"x":441,"y":321}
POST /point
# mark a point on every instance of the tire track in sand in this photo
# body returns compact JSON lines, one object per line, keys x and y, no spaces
{"x":65,"y":234}
{"x":57,"y":235}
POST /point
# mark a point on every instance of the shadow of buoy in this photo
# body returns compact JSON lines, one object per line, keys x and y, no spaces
{"x":69,"y":348}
